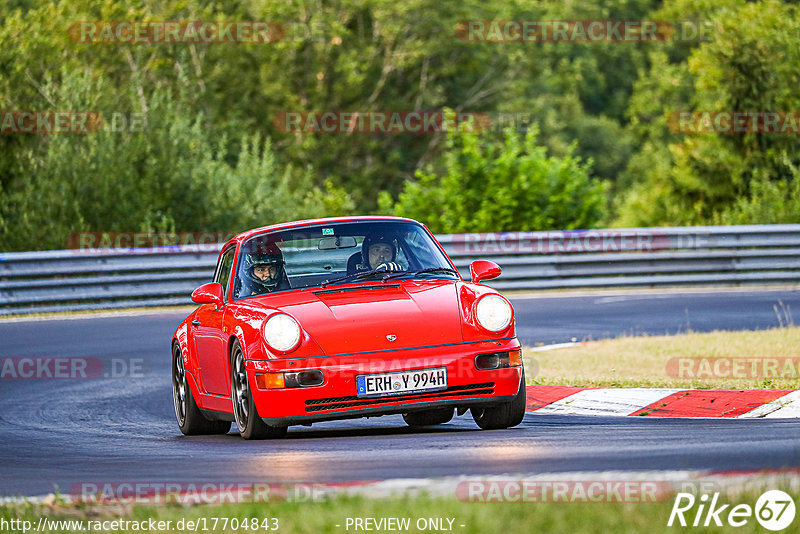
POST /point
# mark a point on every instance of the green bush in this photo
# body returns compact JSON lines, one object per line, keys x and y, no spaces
{"x":769,"y":202}
{"x":501,"y":187}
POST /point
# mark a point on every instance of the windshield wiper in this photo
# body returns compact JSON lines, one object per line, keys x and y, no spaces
{"x":354,"y":276}
{"x":421,"y":271}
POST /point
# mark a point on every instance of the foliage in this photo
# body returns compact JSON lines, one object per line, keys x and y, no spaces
{"x":212,"y":149}
{"x":502,"y":187}
{"x":770,"y":202}
{"x":169,"y":173}
{"x":705,"y":178}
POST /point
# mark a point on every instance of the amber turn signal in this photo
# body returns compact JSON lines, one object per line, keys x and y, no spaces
{"x":270,"y":381}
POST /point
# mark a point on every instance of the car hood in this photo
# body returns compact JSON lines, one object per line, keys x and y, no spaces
{"x":348,"y":319}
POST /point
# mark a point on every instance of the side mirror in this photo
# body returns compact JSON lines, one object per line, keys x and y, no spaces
{"x":483,"y":270}
{"x":210,"y":293}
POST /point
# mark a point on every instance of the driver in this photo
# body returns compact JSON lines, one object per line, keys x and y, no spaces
{"x":264,"y":272}
{"x":379,"y":252}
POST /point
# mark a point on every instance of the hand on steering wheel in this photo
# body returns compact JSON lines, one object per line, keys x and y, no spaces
{"x":389,"y":266}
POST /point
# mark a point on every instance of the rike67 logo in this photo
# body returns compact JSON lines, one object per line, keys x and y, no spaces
{"x":774,"y":510}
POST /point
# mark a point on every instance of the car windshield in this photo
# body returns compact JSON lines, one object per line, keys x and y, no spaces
{"x":332,"y":253}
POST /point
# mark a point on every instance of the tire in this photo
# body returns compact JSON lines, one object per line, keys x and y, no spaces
{"x":438,"y":416}
{"x":248,"y":422}
{"x":191,"y":420}
{"x":503,"y":415}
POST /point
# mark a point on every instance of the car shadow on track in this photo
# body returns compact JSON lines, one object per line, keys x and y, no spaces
{"x":373,"y":431}
{"x":357,"y":429}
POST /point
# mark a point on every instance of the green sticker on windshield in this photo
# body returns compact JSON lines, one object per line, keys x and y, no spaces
{"x":327,"y":231}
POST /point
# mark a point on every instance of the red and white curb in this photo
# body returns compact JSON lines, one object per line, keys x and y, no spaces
{"x":751,"y":403}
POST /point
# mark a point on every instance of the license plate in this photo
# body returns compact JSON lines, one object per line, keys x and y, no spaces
{"x":401,"y":382}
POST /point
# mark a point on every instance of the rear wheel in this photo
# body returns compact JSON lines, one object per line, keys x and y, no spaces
{"x":190,"y":420}
{"x":248,"y":422}
{"x":503,"y":415}
{"x":438,"y":416}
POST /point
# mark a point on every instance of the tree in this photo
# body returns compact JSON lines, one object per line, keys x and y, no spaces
{"x":169,"y":172}
{"x":501,"y":187}
{"x":749,"y":64}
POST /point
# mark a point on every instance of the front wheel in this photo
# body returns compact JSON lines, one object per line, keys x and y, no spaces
{"x":190,"y":420}
{"x":249,"y":423}
{"x":437,"y":416}
{"x":503,"y":415}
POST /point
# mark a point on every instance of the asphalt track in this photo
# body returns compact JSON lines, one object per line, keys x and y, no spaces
{"x":59,"y":433}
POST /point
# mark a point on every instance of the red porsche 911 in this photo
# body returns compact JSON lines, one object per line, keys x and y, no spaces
{"x":343,"y":318}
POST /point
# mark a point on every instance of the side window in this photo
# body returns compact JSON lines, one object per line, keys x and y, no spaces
{"x":223,"y":275}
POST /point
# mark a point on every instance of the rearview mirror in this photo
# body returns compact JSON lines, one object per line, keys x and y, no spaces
{"x":210,"y":293}
{"x":330,"y":243}
{"x":483,"y":270}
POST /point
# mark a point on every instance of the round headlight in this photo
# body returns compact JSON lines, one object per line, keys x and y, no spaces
{"x":493,"y":313}
{"x":281,"y":332}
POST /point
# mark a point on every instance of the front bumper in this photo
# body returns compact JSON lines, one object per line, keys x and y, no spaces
{"x":336,"y":398}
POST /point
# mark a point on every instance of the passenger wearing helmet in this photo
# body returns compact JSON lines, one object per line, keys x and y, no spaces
{"x":264,"y":272}
{"x":379,"y":252}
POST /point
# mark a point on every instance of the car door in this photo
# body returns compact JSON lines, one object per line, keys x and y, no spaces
{"x":210,"y":340}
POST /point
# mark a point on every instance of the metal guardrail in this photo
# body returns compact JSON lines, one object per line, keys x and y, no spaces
{"x":32,"y":282}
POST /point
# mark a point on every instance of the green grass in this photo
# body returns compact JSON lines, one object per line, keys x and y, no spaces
{"x":477,"y":518}
{"x":642,"y":361}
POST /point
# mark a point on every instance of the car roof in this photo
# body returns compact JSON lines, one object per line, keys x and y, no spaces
{"x":308,"y":222}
